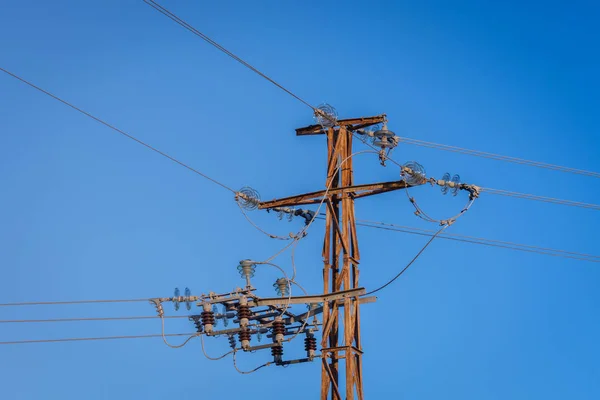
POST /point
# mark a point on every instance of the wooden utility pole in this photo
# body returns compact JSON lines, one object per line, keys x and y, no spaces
{"x":341,"y":352}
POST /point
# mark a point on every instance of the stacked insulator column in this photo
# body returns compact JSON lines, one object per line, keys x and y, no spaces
{"x":244,"y":314}
{"x":232,"y":341}
{"x":197,"y":323}
{"x":278,"y":334}
{"x":310,"y":345}
{"x":208,"y":318}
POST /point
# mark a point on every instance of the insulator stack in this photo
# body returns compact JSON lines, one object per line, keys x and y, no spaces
{"x":277,"y":353}
{"x":208,"y":318}
{"x":278,"y":335}
{"x":197,"y":323}
{"x":232,"y":342}
{"x":278,"y":330}
{"x":310,"y":345}
{"x":244,"y":313}
{"x":244,"y":337}
{"x":282,"y":287}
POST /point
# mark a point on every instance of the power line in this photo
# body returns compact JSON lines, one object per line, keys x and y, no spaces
{"x":519,"y":195}
{"x":481,"y":241}
{"x":39,"y":303}
{"x":552,"y":200}
{"x":13,"y":321}
{"x":417,"y":142}
{"x":207,"y":39}
{"x":117,"y":130}
{"x":499,"y":157}
{"x":409,"y":264}
{"x":94,"y":338}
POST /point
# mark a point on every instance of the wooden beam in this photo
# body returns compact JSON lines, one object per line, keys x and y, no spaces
{"x":361,"y":122}
{"x":356,"y":191}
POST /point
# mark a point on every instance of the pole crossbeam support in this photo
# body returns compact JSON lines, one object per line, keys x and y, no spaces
{"x":354,"y":191}
{"x":350,"y":124}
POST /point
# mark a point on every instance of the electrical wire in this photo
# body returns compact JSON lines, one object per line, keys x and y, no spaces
{"x":479,"y":240}
{"x":91,"y":338}
{"x":305,"y":320}
{"x":12,"y":321}
{"x":259,"y":228}
{"x":289,"y":285}
{"x":541,"y":198}
{"x":499,"y":157}
{"x":501,"y":192}
{"x":213,"y":358}
{"x":36,"y":303}
{"x":164,"y":338}
{"x":118,"y":130}
{"x":247,"y":372}
{"x":409,"y":264}
{"x":423,"y":143}
{"x":207,"y":39}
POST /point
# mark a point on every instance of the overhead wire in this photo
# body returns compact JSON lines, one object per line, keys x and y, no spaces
{"x":135,"y":139}
{"x":40,"y":303}
{"x":502,"y":192}
{"x":407,"y":140}
{"x":12,"y":321}
{"x":91,"y":338}
{"x":403,"y":270}
{"x":541,"y":198}
{"x":479,"y":240}
{"x":499,"y":157}
{"x":164,"y":337}
{"x":207,"y":39}
{"x":247,"y":372}
{"x":209,"y":357}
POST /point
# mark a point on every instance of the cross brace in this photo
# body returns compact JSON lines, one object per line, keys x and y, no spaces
{"x":355,"y":192}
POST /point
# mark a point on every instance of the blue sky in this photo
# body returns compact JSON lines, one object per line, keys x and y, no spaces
{"x":87,"y":214}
